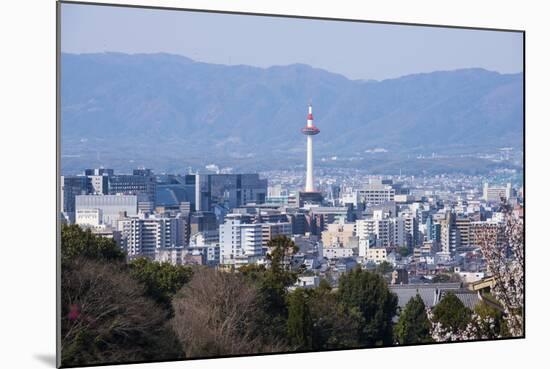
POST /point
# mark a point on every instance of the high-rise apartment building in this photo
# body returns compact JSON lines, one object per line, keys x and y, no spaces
{"x":450,"y":235}
{"x":463,"y":225}
{"x":145,"y":235}
{"x":495,"y":193}
{"x":385,"y":231}
{"x":411,"y":230}
{"x":240,"y":240}
{"x":376,"y":192}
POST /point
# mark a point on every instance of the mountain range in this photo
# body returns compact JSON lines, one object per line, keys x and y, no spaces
{"x":170,"y":111}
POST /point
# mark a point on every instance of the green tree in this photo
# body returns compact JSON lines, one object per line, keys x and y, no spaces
{"x":76,"y":242}
{"x":253,"y":272}
{"x":441,"y":278}
{"x":324,"y":285}
{"x":499,"y":329}
{"x":404,"y":251}
{"x":299,"y":324}
{"x":333,"y":325}
{"x":413,"y":326}
{"x":451,"y":313}
{"x":384,"y":268}
{"x":281,"y":249}
{"x":272,"y":283}
{"x":370,"y":295}
{"x":161,"y":280}
{"x":446,"y":278}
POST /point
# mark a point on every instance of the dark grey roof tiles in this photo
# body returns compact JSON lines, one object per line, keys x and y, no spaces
{"x":431,"y":293}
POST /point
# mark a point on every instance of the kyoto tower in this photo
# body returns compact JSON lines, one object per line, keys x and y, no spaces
{"x":310,"y":130}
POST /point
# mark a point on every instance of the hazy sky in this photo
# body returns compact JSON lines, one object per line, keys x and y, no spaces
{"x":355,"y":50}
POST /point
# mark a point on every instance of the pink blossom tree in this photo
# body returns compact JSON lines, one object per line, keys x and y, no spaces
{"x":503,"y":250}
{"x":505,"y":262}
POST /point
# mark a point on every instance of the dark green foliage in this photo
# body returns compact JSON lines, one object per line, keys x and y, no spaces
{"x":384,"y":268}
{"x":253,"y":272}
{"x":318,"y":321}
{"x":334,"y":325}
{"x":299,"y":323}
{"x":500,"y":329}
{"x":446,"y":277}
{"x":413,"y":326}
{"x":324,"y":285}
{"x":161,"y":280}
{"x":404,"y":251}
{"x":76,"y":242}
{"x":451,"y":313}
{"x":441,"y":278}
{"x":105,"y":318}
{"x":281,"y":250}
{"x":368,"y":293}
{"x":273,"y":284}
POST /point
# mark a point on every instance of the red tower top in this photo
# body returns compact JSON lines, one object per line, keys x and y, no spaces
{"x":310,"y":129}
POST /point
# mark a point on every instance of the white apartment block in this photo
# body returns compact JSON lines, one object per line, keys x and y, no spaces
{"x":239,"y":241}
{"x":376,"y":255}
{"x":376,"y":193}
{"x":410,"y":231}
{"x":146,"y":235}
{"x":350,"y":198}
{"x":494,"y":194}
{"x":386,"y":231}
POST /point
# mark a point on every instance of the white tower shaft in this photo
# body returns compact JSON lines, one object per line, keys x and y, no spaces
{"x":309,"y":162}
{"x":309,"y":171}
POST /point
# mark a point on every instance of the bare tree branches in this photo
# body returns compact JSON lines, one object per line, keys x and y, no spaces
{"x":107,"y":319}
{"x":216,"y":314}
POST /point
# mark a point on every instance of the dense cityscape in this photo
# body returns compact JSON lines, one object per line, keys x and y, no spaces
{"x":425,"y":232}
